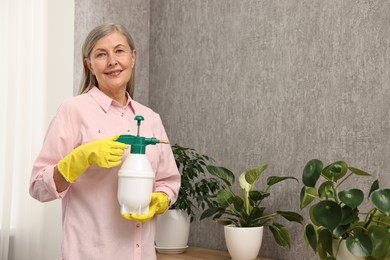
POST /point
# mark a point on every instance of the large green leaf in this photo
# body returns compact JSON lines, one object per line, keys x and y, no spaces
{"x":209,"y":212}
{"x":291,"y":216}
{"x":348,"y":215}
{"x":312,"y":172}
{"x":335,"y":171}
{"x":224,"y":198}
{"x":325,"y":238}
{"x":281,"y":235}
{"x":381,"y":199}
{"x":307,"y":196}
{"x":352,"y":197}
{"x":238,"y":203}
{"x":327,"y":213}
{"x":275,"y":179}
{"x":310,"y":236}
{"x":380,"y":237}
{"x":255,"y":216}
{"x":222,"y":173}
{"x":252,"y":175}
{"x":359,"y":245}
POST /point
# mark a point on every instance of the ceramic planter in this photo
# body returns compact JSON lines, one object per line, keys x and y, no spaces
{"x":172,"y":232}
{"x":243,"y":243}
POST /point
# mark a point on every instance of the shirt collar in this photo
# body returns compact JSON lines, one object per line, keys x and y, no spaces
{"x":105,"y":102}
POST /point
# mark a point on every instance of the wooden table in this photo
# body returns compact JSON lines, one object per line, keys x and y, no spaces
{"x":197,"y":253}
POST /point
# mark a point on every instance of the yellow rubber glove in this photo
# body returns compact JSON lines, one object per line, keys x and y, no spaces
{"x":106,"y":153}
{"x":158,"y":205}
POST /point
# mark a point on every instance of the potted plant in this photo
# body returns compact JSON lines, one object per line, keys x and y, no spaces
{"x":246,"y":213}
{"x":337,"y":216}
{"x":195,"y":193}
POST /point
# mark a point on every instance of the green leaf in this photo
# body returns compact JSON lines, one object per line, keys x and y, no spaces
{"x":348,"y":215}
{"x":281,"y":235}
{"x":224,"y":222}
{"x":381,"y":200}
{"x":275,"y":179}
{"x":238,"y":203}
{"x":352,"y":197}
{"x":312,"y":172}
{"x":327,"y":213}
{"x":291,"y":216}
{"x":380,"y":237}
{"x":224,"y":198}
{"x":255,"y":216}
{"x":335,"y":171}
{"x":340,"y":230}
{"x":307,"y":196}
{"x":258,"y":195}
{"x":359,"y":245}
{"x":326,"y":190}
{"x":222,"y":173}
{"x":358,"y":171}
{"x":252,"y":175}
{"x":374,"y":186}
{"x":209,"y":212}
{"x":310,"y":236}
{"x":320,"y":250}
{"x":325,"y":238}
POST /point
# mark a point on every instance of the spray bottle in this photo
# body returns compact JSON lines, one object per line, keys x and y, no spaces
{"x":136,"y":176}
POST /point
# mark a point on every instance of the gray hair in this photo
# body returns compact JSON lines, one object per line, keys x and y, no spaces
{"x":88,"y":80}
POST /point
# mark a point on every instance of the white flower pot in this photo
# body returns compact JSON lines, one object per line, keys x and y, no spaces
{"x":243,"y":243}
{"x":341,"y":251}
{"x":172,"y":231}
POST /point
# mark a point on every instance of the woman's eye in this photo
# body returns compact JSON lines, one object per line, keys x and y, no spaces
{"x":101,"y":55}
{"x":120,"y":51}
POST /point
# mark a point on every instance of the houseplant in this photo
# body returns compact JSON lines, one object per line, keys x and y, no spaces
{"x":247,"y":210}
{"x":197,"y":185}
{"x":338,"y":214}
{"x":195,"y":193}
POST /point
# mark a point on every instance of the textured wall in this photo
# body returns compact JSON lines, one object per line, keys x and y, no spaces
{"x":277,"y":82}
{"x":134,"y":14}
{"x":255,"y":82}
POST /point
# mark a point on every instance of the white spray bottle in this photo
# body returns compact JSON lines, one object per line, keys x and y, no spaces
{"x":136,"y":176}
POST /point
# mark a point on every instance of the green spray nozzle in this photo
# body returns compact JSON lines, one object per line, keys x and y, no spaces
{"x":139,"y":143}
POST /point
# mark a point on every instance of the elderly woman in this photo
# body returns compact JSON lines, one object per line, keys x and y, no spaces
{"x":80,"y":156}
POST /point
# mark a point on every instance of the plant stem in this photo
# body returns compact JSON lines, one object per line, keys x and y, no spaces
{"x":336,"y":198}
{"x":343,"y":180}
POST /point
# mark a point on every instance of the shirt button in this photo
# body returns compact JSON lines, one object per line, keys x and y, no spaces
{"x":137,"y":245}
{"x":128,"y":130}
{"x":137,"y":225}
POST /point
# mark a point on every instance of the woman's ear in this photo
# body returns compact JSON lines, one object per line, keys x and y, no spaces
{"x":87,"y":63}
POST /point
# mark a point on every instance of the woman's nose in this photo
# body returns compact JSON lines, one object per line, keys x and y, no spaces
{"x":112,"y":60}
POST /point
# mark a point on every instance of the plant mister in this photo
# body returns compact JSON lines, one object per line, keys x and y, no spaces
{"x":136,"y":176}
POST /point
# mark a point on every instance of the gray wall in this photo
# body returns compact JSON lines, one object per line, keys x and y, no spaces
{"x":264,"y":82}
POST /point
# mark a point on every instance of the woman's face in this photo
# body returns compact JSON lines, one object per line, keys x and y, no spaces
{"x":112,"y":61}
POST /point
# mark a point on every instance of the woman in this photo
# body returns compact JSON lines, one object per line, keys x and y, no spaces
{"x":80,"y":158}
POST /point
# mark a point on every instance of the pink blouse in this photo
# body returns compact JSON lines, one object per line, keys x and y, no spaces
{"x":93,"y":227}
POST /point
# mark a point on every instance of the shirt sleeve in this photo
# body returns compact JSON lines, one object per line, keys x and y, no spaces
{"x":58,"y":142}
